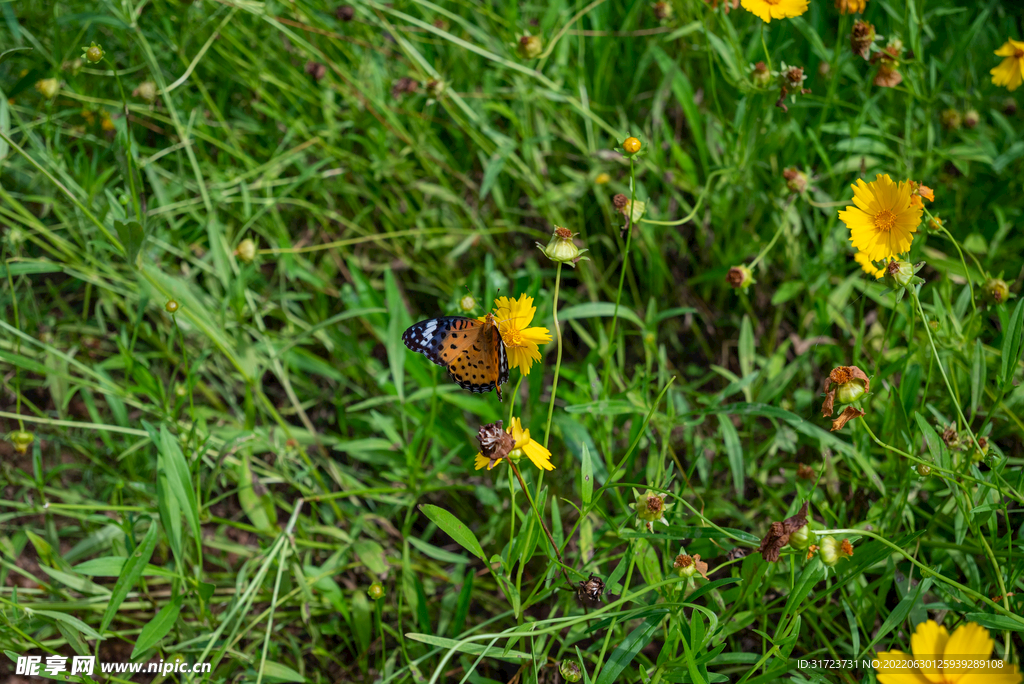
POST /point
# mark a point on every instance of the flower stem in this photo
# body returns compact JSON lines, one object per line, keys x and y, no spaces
{"x":622,"y":274}
{"x":767,"y":55}
{"x":558,"y":355}
{"x":540,"y":519}
{"x":767,"y":247}
{"x":512,"y":403}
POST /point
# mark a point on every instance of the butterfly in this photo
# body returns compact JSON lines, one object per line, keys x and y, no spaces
{"x":472,"y":352}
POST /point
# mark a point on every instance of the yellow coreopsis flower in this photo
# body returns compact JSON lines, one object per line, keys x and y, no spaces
{"x":767,"y":10}
{"x":884,"y":220}
{"x":869,"y":268}
{"x":524,"y":446}
{"x":1010,"y":71}
{"x":521,"y":342}
{"x":851,"y":6}
{"x":931,"y":642}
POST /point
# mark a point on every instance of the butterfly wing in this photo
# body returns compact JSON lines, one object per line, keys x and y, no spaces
{"x":471,"y":352}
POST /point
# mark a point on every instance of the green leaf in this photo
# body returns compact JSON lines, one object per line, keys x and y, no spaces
{"x":8,"y":53}
{"x":1011,"y":345}
{"x":787,"y":291}
{"x":179,"y":480}
{"x":586,"y":477}
{"x":130,"y":574}
{"x":900,"y":612}
{"x":746,"y":347}
{"x":733,"y":450}
{"x":999,"y":622}
{"x":371,"y":555}
{"x":597,"y":310}
{"x":397,"y":323}
{"x":624,"y":653}
{"x":930,"y":437}
{"x":131,"y":235}
{"x":455,"y":529}
{"x":71,"y":621}
{"x":112,"y":566}
{"x":258,"y":507}
{"x":435,"y":552}
{"x":493,"y":170}
{"x":978,"y":370}
{"x":813,"y":573}
{"x":276,"y":672}
{"x":157,"y":628}
{"x":470,"y":648}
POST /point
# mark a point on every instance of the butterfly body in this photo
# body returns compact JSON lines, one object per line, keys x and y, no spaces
{"x":471,"y":351}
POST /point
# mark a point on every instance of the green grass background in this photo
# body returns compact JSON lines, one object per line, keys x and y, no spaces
{"x":269,"y":445}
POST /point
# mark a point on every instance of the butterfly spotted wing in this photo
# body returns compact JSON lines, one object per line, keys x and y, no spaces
{"x":472,"y":352}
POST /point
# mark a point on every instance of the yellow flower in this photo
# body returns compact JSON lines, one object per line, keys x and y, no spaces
{"x":884,"y":221}
{"x":851,"y":6}
{"x":1011,"y":71}
{"x":524,"y":446}
{"x":775,"y":9}
{"x":521,"y":342}
{"x":934,"y":643}
{"x":869,"y":268}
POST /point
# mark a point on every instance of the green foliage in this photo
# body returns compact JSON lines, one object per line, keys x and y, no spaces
{"x":224,"y":481}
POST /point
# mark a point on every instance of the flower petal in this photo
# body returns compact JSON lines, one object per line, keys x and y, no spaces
{"x":928,"y":643}
{"x":968,"y":641}
{"x":540,"y":456}
{"x":890,"y":674}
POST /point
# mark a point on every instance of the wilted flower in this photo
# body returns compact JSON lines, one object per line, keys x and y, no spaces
{"x":951,"y":438}
{"x":862,"y":37}
{"x":844,"y":384}
{"x":590,"y":589}
{"x":831,"y":551}
{"x":633,"y":210}
{"x":760,"y":75}
{"x":570,"y":670}
{"x":996,"y":290}
{"x":403,"y":86}
{"x":792,"y":84}
{"x":726,"y":4}
{"x":1010,"y":71}
{"x":951,"y":119}
{"x":888,"y":63}
{"x":688,"y":566}
{"x":318,"y":70}
{"x":494,"y":446}
{"x":805,"y":472}
{"x":740,"y":277}
{"x":529,"y":47}
{"x":562,"y":249}
{"x":650,"y":508}
{"x":779,"y":533}
{"x":662,"y":10}
{"x":345,"y":12}
{"x":796,"y":180}
{"x":436,"y":88}
{"x":848,"y":414}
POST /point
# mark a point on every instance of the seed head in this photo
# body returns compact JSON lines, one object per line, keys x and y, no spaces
{"x":760,"y":75}
{"x":345,"y":13}
{"x":562,"y":249}
{"x":832,"y":551}
{"x":740,"y":277}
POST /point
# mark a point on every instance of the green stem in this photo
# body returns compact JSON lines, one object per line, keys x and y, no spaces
{"x":540,"y":519}
{"x":558,"y":355}
{"x":622,"y":274}
{"x":767,"y":55}
{"x":767,"y":247}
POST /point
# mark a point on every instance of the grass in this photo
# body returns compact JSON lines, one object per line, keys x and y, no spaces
{"x":218,"y":448}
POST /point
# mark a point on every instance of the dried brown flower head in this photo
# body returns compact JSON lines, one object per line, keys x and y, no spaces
{"x":590,"y":589}
{"x":316,"y":70}
{"x":726,"y":4}
{"x":778,"y":534}
{"x":620,"y":201}
{"x":345,"y":13}
{"x":495,"y":443}
{"x":950,"y":437}
{"x":845,"y":383}
{"x":848,"y":414}
{"x":805,"y":472}
{"x":403,"y":86}
{"x":862,"y":37}
{"x":688,"y":566}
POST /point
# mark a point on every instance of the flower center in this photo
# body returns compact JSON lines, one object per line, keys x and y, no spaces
{"x":654,"y":504}
{"x":885,"y":220}
{"x":513,"y":338}
{"x":1018,"y":54}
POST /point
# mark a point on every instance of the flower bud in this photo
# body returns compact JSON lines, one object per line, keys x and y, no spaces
{"x":951,"y":437}
{"x":48,"y":87}
{"x":602,"y":178}
{"x":529,"y":47}
{"x":802,"y":538}
{"x":171,"y":306}
{"x":570,"y":670}
{"x":971,"y":118}
{"x":561,"y":248}
{"x":980,"y":451}
{"x":924,"y":470}
{"x":740,"y":277}
{"x":662,"y":10}
{"x":376,"y":591}
{"x":832,"y":551}
{"x":345,"y":13}
{"x":899,"y":273}
{"x":631,"y":145}
{"x":935,"y":223}
{"x":246,"y":250}
{"x":1009,"y":106}
{"x":951,"y":119}
{"x":760,"y":75}
{"x":436,"y":88}
{"x":796,"y":180}
{"x":93,"y":54}
{"x":467,"y":303}
{"x":22,"y":440}
{"x":996,"y":290}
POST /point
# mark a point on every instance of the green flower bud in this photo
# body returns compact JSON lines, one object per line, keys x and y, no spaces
{"x":93,"y":54}
{"x":171,"y":306}
{"x":562,"y":249}
{"x":996,"y":290}
{"x":832,"y":551}
{"x":376,"y":591}
{"x":529,"y":47}
{"x":899,"y":274}
{"x":246,"y":250}
{"x":650,"y":508}
{"x":22,"y":440}
{"x":740,"y":277}
{"x":467,"y":303}
{"x":802,"y":538}
{"x":48,"y":87}
{"x":850,"y":391}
